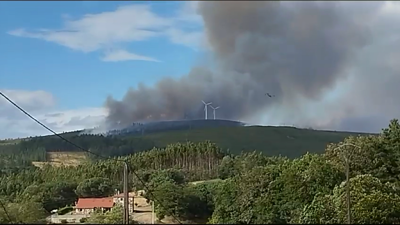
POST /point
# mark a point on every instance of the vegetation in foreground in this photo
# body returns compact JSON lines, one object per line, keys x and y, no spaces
{"x":252,"y":187}
{"x":286,"y":141}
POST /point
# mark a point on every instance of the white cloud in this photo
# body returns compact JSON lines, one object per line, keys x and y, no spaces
{"x":96,"y":31}
{"x":188,"y":12}
{"x":194,"y":40}
{"x":41,"y":105}
{"x":102,"y":31}
{"x":69,"y":120}
{"x":122,"y":55}
{"x":33,"y":101}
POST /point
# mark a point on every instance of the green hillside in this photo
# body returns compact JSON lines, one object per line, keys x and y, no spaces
{"x":287,"y":141}
{"x":10,"y":141}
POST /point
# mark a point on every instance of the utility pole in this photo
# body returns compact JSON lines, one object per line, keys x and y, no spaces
{"x":133,"y":204}
{"x":152,"y":212}
{"x":348,"y":190}
{"x":346,"y":157}
{"x":126,"y":194}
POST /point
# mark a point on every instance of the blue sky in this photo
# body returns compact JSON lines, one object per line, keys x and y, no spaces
{"x":60,"y":60}
{"x":77,"y":53}
{"x":75,"y":78}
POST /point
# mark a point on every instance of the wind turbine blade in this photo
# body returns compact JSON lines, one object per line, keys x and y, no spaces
{"x":209,"y":103}
{"x":216,"y":107}
{"x":203,"y":102}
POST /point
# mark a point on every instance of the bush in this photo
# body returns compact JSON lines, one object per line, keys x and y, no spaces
{"x":65,"y":210}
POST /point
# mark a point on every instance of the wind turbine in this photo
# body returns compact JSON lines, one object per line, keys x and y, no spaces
{"x":205,"y":107}
{"x":214,"y":110}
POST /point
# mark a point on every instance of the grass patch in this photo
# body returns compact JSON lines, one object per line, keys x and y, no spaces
{"x":65,"y":210}
{"x":58,"y":159}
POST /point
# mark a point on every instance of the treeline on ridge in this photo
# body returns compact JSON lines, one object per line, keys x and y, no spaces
{"x":163,"y":126}
{"x":35,"y":149}
{"x":198,"y":162}
{"x":24,"y":152}
{"x":252,"y":188}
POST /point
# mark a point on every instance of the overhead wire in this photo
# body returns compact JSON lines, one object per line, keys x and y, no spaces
{"x":81,"y":148}
{"x":6,"y":212}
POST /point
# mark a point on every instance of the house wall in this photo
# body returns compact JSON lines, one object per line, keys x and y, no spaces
{"x":141,"y":202}
{"x":120,"y":201}
{"x":83,"y":211}
{"x":88,"y":211}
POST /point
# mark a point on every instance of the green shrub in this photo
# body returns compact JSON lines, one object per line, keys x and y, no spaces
{"x":65,"y":210}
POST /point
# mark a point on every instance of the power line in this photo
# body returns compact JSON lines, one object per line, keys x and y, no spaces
{"x":6,"y":212}
{"x":47,"y":128}
{"x":77,"y":146}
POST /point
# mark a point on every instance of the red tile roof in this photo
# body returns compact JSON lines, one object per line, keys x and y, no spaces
{"x":91,"y":203}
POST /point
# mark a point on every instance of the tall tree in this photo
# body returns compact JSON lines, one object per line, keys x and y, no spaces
{"x":95,"y":187}
{"x":372,"y":202}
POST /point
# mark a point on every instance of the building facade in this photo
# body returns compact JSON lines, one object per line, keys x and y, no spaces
{"x":89,"y":205}
{"x":119,"y":199}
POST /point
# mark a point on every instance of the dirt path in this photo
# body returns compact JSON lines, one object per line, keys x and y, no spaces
{"x":143,"y":215}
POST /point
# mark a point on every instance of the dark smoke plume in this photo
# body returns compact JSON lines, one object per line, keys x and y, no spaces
{"x":298,"y":51}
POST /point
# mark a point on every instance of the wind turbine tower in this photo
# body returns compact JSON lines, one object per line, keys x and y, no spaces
{"x":214,"y":110}
{"x":205,"y":108}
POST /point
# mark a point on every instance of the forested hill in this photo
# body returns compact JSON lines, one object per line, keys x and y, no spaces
{"x":263,"y":189}
{"x":287,"y":141}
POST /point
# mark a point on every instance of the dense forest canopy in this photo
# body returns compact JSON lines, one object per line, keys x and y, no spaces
{"x":35,"y":149}
{"x":287,"y":141}
{"x":243,"y":188}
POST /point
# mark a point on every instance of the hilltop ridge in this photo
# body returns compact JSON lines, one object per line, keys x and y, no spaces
{"x":231,"y":136}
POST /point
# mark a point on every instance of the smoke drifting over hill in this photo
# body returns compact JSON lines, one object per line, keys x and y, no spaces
{"x":300,"y":52}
